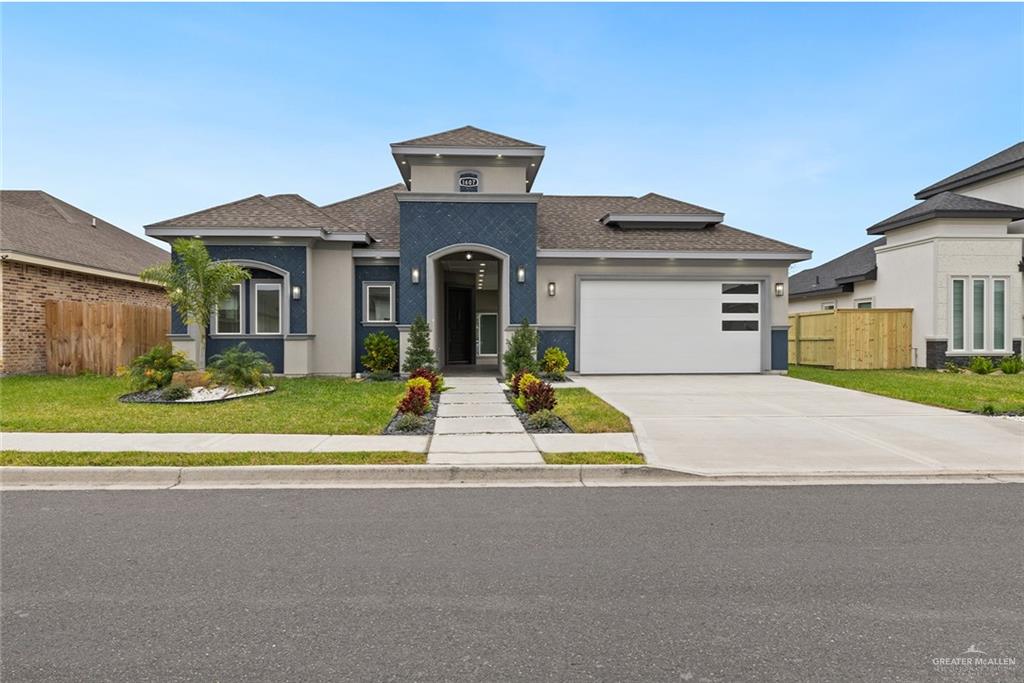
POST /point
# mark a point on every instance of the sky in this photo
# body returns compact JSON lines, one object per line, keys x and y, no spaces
{"x":806,"y":123}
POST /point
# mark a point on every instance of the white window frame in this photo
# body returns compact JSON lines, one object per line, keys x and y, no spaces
{"x":988,"y":306}
{"x":870,"y":301}
{"x":390,"y":286}
{"x":257,"y":286}
{"x":828,"y":305}
{"x":215,"y":327}
{"x":479,"y":327}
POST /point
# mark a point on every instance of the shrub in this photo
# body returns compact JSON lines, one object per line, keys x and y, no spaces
{"x":953,"y":367}
{"x":155,"y":368}
{"x":522,"y":350}
{"x":191,"y":378}
{"x":408,"y":422}
{"x":176,"y":392}
{"x":415,"y":401}
{"x":525,"y":380}
{"x":419,"y":355}
{"x":420,"y":382}
{"x":981,"y":365}
{"x":555,"y":362}
{"x":381,"y":355}
{"x":1011,"y":365}
{"x":514,"y":380}
{"x":241,"y":368}
{"x":538,"y":396}
{"x":436,"y":379}
{"x":542,"y":419}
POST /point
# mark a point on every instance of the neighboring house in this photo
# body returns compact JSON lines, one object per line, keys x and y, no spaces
{"x":955,"y":258}
{"x":51,"y":250}
{"x":623,"y":284}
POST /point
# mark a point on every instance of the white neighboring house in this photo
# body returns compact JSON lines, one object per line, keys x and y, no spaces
{"x":955,"y":258}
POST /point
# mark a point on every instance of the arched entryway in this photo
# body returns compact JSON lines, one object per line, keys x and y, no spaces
{"x":468,"y":306}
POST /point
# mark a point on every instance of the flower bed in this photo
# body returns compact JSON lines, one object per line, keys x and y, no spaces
{"x":199,"y":395}
{"x":558,"y":426}
{"x":426,"y":428}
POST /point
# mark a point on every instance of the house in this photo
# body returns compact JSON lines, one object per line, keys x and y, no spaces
{"x":955,"y":258}
{"x":623,"y":284}
{"x":51,"y":250}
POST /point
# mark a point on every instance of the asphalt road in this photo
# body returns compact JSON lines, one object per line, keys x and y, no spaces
{"x":805,"y":583}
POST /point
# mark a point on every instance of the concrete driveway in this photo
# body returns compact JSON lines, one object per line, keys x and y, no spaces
{"x":758,"y":424}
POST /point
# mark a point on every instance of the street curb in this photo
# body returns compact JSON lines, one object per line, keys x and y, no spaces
{"x":436,"y":476}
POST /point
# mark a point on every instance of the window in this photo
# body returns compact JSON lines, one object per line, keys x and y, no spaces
{"x":978,"y":314}
{"x":268,"y":307}
{"x":228,"y":319}
{"x":487,"y":334}
{"x":379,"y":303}
{"x":828,"y":306}
{"x":864,"y":303}
{"x":739,"y":308}
{"x":740,"y":288}
{"x":739,"y":326}
{"x":468,"y":181}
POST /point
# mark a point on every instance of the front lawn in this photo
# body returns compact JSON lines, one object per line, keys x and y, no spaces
{"x":147,"y":459}
{"x":959,"y":391}
{"x":586,"y":413}
{"x":594,"y":458}
{"x":88,"y":403}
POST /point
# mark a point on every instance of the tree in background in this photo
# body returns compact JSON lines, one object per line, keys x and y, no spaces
{"x":522,"y":350}
{"x":195,"y":284}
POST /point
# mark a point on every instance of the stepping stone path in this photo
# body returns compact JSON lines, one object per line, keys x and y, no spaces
{"x":476,"y":426}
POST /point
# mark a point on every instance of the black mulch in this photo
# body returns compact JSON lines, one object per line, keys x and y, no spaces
{"x":559,"y":428}
{"x":428,"y":420}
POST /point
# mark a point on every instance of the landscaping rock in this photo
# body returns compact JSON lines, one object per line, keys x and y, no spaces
{"x":559,"y":428}
{"x":428,"y":421}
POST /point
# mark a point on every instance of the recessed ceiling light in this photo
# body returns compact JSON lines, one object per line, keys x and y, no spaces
{"x":277,"y":237}
{"x":469,"y":256}
{"x":403,"y":161}
{"x":196,"y":237}
{"x":499,"y":156}
{"x":437,"y":156}
{"x":533,"y":164}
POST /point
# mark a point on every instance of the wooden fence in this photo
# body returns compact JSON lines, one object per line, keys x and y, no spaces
{"x":852,"y":338}
{"x":100,"y":337}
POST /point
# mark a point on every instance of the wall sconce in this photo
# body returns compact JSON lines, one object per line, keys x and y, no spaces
{"x":415,"y":276}
{"x":521,"y":274}
{"x":296,"y":292}
{"x":551,"y":289}
{"x":780,"y":289}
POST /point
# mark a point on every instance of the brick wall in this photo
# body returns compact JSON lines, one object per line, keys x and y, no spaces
{"x":24,"y":288}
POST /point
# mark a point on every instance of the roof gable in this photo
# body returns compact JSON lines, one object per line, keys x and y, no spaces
{"x":829,"y":276}
{"x":1007,"y":160}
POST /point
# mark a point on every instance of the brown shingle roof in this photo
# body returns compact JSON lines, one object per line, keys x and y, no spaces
{"x":35,"y":223}
{"x":258,"y":211}
{"x":574,"y":222}
{"x":375,"y":212}
{"x":467,"y":136}
{"x":660,"y":205}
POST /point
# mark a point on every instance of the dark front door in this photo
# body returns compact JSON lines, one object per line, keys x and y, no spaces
{"x":458,"y":317}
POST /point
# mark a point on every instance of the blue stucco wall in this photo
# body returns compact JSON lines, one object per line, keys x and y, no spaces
{"x":273,"y":347}
{"x":564,"y":339}
{"x":371,"y":274}
{"x":429,"y":226}
{"x":780,"y":350}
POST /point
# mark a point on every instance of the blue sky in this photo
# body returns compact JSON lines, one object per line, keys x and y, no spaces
{"x":803,"y":122}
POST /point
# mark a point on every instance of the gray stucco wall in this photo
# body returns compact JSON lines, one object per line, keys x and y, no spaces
{"x":371,"y":274}
{"x":429,"y":226}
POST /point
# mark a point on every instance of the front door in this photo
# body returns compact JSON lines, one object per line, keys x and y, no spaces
{"x":458,"y":316}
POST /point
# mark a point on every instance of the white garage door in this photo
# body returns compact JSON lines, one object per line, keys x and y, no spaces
{"x":667,"y":326}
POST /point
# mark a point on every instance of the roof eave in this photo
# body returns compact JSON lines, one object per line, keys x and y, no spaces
{"x":948,"y":185}
{"x":667,"y":219}
{"x":798,"y":255}
{"x":274,"y":233}
{"x":885,"y":226}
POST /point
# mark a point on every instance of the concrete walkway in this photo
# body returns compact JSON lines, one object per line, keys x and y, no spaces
{"x":476,"y":426}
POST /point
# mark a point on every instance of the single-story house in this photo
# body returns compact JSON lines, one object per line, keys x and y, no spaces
{"x":623,"y":284}
{"x":53,"y":251}
{"x":955,"y":257}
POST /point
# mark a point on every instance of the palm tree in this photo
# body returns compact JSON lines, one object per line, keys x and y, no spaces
{"x":195,"y":284}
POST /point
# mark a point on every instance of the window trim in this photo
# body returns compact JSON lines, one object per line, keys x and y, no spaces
{"x":266,"y":284}
{"x":390,"y":286}
{"x":870,"y":301}
{"x":988,"y":313}
{"x":829,"y":305}
{"x":479,"y":327}
{"x":214,"y":324}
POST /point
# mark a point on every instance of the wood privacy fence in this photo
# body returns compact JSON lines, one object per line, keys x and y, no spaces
{"x":100,"y":337}
{"x":852,"y":338}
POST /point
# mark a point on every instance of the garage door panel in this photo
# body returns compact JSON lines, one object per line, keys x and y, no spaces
{"x":663,"y":327}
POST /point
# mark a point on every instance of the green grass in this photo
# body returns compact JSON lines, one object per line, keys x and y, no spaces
{"x":593,"y":458}
{"x":88,"y":403}
{"x":959,"y":391}
{"x":586,"y":413}
{"x":147,"y":459}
